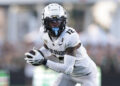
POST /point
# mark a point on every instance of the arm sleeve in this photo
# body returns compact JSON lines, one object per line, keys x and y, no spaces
{"x":66,"y":67}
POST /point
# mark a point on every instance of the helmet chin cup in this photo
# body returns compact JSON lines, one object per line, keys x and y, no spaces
{"x":55,"y":30}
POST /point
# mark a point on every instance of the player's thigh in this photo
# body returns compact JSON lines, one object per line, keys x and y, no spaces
{"x":90,"y":81}
{"x":64,"y":80}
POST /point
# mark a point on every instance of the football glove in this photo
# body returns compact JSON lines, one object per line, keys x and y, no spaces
{"x":35,"y":57}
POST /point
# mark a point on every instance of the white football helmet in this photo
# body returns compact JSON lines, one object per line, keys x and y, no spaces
{"x":54,"y":19}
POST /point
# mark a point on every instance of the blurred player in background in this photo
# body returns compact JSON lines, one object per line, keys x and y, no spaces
{"x":63,"y":42}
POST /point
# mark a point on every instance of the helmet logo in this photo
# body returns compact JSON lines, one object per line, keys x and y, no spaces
{"x":55,"y":29}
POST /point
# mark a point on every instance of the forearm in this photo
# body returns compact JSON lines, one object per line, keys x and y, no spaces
{"x":66,"y":67}
{"x":45,"y":51}
{"x":56,"y":66}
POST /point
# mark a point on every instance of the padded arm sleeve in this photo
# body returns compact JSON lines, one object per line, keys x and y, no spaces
{"x":66,"y":67}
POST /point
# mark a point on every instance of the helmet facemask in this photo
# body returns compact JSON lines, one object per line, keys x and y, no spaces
{"x":55,"y":25}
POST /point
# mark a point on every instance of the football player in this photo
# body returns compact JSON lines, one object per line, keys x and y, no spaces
{"x":74,"y":65}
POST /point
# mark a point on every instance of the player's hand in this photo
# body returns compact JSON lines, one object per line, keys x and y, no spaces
{"x":34,"y":57}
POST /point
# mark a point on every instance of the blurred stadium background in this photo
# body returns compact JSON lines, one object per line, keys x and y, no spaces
{"x":97,"y":22}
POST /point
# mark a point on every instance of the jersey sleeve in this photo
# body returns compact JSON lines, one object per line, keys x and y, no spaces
{"x":43,"y":49}
{"x":72,"y":40}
